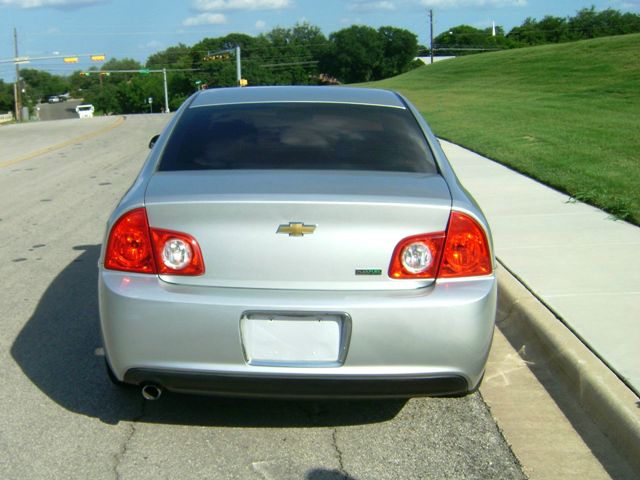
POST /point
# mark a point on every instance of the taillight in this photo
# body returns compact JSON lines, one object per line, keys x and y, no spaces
{"x":134,"y":247}
{"x":417,"y":256}
{"x":466,"y":251}
{"x":129,"y":246}
{"x":177,"y":253}
{"x":461,"y":251}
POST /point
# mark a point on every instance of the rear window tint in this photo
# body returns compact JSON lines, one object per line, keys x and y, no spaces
{"x":317,"y":136}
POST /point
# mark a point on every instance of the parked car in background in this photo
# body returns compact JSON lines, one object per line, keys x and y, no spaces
{"x":85,"y":111}
{"x":54,"y":99}
{"x":297,"y":242}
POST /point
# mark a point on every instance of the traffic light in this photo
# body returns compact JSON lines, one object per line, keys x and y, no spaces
{"x":214,"y":57}
{"x":84,"y":74}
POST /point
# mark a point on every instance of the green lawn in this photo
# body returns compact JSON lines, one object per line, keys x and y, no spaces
{"x":567,"y":114}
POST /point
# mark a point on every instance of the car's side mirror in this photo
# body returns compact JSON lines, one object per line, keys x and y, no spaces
{"x":153,"y":141}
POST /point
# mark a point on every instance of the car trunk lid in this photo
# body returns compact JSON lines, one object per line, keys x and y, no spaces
{"x":321,"y":230}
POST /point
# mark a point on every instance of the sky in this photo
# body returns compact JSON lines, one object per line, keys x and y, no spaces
{"x":139,"y":28}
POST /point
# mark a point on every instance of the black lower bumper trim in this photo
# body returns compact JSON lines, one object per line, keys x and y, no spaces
{"x":334,"y":386}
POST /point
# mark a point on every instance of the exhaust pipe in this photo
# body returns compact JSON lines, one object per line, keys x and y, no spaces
{"x":151,"y":391}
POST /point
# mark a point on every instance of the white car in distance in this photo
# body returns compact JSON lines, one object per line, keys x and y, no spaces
{"x":85,"y":111}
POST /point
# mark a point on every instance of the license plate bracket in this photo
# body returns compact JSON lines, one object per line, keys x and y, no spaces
{"x":295,"y":339}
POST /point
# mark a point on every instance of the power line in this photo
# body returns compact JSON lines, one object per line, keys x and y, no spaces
{"x":290,"y":64}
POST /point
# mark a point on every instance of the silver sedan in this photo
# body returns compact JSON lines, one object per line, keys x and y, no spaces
{"x":297,"y":242}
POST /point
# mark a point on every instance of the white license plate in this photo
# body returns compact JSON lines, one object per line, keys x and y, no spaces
{"x":275,"y":339}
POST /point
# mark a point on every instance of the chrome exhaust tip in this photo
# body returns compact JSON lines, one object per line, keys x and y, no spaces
{"x":151,"y":391}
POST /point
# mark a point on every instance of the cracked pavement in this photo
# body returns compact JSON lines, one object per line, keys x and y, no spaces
{"x":60,"y":417}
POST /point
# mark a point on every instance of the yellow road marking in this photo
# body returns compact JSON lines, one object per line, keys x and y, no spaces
{"x":64,"y":144}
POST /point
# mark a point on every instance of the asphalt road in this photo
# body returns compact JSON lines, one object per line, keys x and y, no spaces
{"x":61,"y":418}
{"x":59,"y":111}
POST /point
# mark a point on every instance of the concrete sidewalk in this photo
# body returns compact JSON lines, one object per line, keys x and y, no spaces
{"x":581,"y":263}
{"x":582,"y":273}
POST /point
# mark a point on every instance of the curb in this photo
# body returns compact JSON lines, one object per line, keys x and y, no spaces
{"x":612,"y":406}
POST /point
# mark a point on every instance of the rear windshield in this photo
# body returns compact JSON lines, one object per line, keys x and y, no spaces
{"x":318,"y":136}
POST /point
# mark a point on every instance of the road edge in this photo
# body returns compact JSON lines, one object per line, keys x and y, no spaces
{"x":613,"y":407}
{"x":64,"y":144}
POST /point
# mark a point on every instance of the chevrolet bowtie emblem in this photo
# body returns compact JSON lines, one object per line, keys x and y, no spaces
{"x":296,"y":229}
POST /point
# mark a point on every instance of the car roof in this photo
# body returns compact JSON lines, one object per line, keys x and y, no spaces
{"x":302,"y":94}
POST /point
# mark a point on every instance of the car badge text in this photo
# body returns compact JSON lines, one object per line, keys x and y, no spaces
{"x":296,"y":229}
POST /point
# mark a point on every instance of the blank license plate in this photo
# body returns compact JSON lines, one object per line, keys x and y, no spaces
{"x":291,"y":340}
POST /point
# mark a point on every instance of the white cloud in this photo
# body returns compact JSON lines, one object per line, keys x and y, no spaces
{"x":473,"y":3}
{"x":261,"y":25}
{"x":370,"y":6}
{"x":218,"y":5}
{"x":50,"y":3}
{"x":205,"y":19}
{"x":626,"y":5}
{"x":153,"y":45}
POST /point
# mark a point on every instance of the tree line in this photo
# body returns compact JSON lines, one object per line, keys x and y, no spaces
{"x":301,"y":55}
{"x":586,"y":24}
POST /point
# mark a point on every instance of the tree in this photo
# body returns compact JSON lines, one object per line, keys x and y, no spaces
{"x":554,"y":29}
{"x":6,"y":97}
{"x":121,"y":64}
{"x":354,"y":54}
{"x":39,"y":85}
{"x":526,"y":34}
{"x":587,"y":23}
{"x":400,"y":47}
{"x":291,"y":54}
{"x":173,"y":57}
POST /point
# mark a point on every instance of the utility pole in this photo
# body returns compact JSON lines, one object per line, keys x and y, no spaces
{"x":431,"y":34}
{"x":166,"y":91}
{"x":238,"y":66}
{"x":16,"y":88}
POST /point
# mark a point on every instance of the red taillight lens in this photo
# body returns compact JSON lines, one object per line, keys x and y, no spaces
{"x":129,"y":247}
{"x":466,"y":251}
{"x":461,"y":251}
{"x":134,"y":247}
{"x":417,"y":256}
{"x":177,"y":253}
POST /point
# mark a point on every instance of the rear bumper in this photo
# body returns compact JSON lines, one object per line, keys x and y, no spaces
{"x":402,"y":343}
{"x":280,"y":386}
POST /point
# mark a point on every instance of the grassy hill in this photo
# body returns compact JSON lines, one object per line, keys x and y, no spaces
{"x":566,"y":114}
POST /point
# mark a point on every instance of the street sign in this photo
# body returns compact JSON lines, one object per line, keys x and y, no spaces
{"x":144,"y":71}
{"x":97,"y":58}
{"x":150,"y":100}
{"x":70,"y":59}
